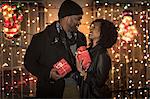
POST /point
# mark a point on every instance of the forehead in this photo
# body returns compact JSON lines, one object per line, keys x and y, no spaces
{"x":95,"y":24}
{"x":76,"y":16}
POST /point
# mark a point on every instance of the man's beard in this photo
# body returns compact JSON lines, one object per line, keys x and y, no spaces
{"x":74,"y":29}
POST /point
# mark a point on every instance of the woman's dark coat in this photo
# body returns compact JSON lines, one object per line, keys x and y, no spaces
{"x":97,"y":75}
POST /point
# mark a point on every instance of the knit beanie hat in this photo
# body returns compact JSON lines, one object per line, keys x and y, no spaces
{"x":69,"y":8}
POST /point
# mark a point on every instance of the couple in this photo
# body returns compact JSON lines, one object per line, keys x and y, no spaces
{"x":60,"y":40}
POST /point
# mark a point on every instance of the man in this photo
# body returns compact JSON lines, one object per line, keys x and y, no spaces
{"x":59,"y":40}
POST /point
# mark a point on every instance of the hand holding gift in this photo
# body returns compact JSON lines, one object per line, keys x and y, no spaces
{"x":83,"y":57}
{"x":54,"y":75}
{"x":62,"y":67}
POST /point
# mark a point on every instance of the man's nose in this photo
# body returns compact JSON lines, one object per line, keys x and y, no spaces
{"x":79,"y":23}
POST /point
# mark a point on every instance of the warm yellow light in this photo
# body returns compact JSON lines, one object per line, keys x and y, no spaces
{"x":99,"y":9}
{"x":142,"y":76}
{"x":35,"y":3}
{"x":27,"y":11}
{"x":117,"y":60}
{"x":117,"y":70}
{"x":25,"y":37}
{"x":129,"y":51}
{"x":33,"y":10}
{"x":38,"y":29}
{"x":20,"y":69}
{"x":49,"y":5}
{"x":45,"y":10}
{"x":112,"y":81}
{"x":121,"y":65}
{"x":50,"y":14}
{"x":14,"y":72}
{"x":117,"y":4}
{"x":86,"y":4}
{"x":98,"y":14}
{"x":136,"y":71}
{"x":106,"y":4}
{"x":87,"y":22}
{"x":92,"y":17}
{"x":18,"y":52}
{"x":25,"y":43}
{"x":37,"y":18}
{"x":22,"y":56}
{"x":136,"y":12}
{"x":23,"y":74}
{"x":135,"y":60}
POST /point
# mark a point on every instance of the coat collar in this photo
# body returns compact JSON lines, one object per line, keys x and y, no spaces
{"x":51,"y":31}
{"x":97,"y":48}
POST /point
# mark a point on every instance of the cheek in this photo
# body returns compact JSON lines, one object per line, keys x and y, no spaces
{"x":97,"y":34}
{"x":72,"y":23}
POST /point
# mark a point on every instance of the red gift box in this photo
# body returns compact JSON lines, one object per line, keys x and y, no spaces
{"x":62,"y":67}
{"x":84,"y":57}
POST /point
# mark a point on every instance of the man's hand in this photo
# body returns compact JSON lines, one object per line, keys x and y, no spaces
{"x":54,"y":75}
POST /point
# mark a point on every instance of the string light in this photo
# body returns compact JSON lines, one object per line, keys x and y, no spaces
{"x":86,"y":5}
{"x":121,"y":55}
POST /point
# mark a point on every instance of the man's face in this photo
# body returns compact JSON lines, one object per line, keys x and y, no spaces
{"x":73,"y":22}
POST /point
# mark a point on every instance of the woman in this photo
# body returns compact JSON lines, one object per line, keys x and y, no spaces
{"x":103,"y":35}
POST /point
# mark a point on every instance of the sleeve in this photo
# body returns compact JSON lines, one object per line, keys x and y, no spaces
{"x":84,"y":40}
{"x":32,"y":56}
{"x":102,"y":70}
{"x":81,"y":40}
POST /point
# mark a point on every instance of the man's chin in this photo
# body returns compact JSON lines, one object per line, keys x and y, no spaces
{"x":74,"y":30}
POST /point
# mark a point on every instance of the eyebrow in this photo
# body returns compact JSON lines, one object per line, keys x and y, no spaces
{"x":80,"y":17}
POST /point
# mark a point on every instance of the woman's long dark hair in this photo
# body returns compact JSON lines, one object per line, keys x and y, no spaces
{"x":108,"y":33}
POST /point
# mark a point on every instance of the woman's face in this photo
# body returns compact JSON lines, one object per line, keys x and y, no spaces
{"x":95,"y":31}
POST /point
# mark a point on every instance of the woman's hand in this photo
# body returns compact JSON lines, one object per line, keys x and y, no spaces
{"x":79,"y":68}
{"x":83,"y":73}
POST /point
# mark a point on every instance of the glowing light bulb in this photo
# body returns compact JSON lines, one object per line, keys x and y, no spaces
{"x":45,"y":10}
{"x":117,"y":70}
{"x":14,"y":72}
{"x":86,"y":4}
{"x":117,"y":4}
{"x":23,"y":74}
{"x":33,"y":10}
{"x":136,"y":71}
{"x":50,"y":14}
{"x":106,"y":4}
{"x":49,"y":5}
{"x":112,"y":81}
